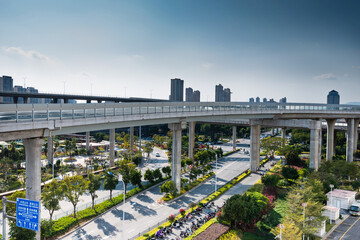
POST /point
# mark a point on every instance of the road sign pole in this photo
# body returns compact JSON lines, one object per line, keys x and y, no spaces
{"x":4,"y":218}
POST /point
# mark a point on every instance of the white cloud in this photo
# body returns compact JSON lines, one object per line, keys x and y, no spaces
{"x":207,"y":65}
{"x":34,"y":55}
{"x":326,"y":76}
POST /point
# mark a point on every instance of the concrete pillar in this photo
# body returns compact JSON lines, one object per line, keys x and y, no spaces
{"x":112,"y":147}
{"x":330,"y":139}
{"x":234,"y":137}
{"x":283,"y":133}
{"x":356,"y":133}
{"x":87,"y":140}
{"x":176,"y":153}
{"x":50,"y":149}
{"x":254,"y":147}
{"x":350,"y":140}
{"x":273,"y":131}
{"x":33,"y":170}
{"x":314,"y":148}
{"x":191,"y":139}
{"x":131,"y":139}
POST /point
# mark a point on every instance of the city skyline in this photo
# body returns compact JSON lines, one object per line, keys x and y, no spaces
{"x":268,"y":48}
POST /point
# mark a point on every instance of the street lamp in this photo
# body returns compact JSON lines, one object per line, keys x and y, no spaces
{"x":331,"y":202}
{"x":304,"y":205}
{"x":215,"y":172}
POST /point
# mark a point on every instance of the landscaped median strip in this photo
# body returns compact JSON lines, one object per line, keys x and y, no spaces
{"x":209,"y":198}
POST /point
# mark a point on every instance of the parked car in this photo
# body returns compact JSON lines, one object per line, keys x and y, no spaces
{"x":157,"y":154}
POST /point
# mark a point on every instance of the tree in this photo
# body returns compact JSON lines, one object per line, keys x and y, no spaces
{"x":74,"y":187}
{"x":166,"y":170}
{"x":188,"y":162}
{"x":149,"y":175}
{"x":290,"y":231}
{"x":125,"y":169}
{"x":94,"y":185}
{"x":110,"y":183}
{"x":290,"y":173}
{"x":157,"y":174}
{"x":292,"y":158}
{"x":270,"y":145}
{"x":148,"y":148}
{"x":52,"y":194}
{"x":270,"y":180}
{"x":244,"y":210}
{"x":137,"y":157}
{"x":356,"y":185}
{"x":313,"y":210}
{"x":169,"y":188}
{"x":135,"y":178}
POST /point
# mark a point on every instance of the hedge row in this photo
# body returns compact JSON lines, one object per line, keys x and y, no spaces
{"x":228,"y":153}
{"x":202,"y":228}
{"x":64,"y":224}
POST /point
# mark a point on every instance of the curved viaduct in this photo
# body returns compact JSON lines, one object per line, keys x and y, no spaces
{"x":34,"y":122}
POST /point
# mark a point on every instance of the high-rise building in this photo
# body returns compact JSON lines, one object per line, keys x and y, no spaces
{"x":333,"y":97}
{"x":20,"y":89}
{"x":257,"y":99}
{"x":264,"y":99}
{"x":6,"y":84}
{"x":196,"y":96}
{"x":177,"y":90}
{"x":221,"y":94}
{"x":32,"y":90}
{"x":251,"y":100}
{"x":189,"y":94}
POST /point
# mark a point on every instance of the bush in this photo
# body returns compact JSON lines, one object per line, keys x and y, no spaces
{"x":290,"y":173}
{"x":258,"y":187}
{"x":171,"y":218}
{"x":182,"y":211}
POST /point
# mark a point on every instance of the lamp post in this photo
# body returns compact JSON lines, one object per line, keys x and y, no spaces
{"x":331,"y":202}
{"x":304,"y":205}
{"x":215,"y":172}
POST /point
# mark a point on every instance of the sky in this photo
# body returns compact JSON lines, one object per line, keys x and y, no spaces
{"x":268,"y":48}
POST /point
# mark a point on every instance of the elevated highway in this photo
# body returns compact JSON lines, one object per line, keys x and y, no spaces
{"x":34,"y":122}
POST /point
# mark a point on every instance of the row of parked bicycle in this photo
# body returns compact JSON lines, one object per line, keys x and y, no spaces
{"x":188,"y":224}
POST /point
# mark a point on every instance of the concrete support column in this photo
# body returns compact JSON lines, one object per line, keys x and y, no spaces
{"x":283,"y":133}
{"x":50,"y":149}
{"x":176,"y":153}
{"x":314,"y":148}
{"x":87,"y":140}
{"x":112,"y":147}
{"x":234,"y":137}
{"x":191,"y":139}
{"x":350,"y":140}
{"x":131,"y":139}
{"x":33,"y":170}
{"x":330,"y":139}
{"x":356,"y":133}
{"x":254,"y":147}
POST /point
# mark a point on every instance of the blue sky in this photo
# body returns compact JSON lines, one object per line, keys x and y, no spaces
{"x":266,"y":48}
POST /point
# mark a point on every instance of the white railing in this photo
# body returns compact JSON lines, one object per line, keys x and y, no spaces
{"x":39,"y":112}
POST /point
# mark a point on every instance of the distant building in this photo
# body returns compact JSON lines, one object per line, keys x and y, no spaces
{"x":20,"y":89}
{"x":192,"y":96}
{"x":257,"y":99}
{"x":264,"y":99}
{"x":221,"y":94}
{"x":196,"y":96}
{"x":282,"y":100}
{"x":189,"y":94}
{"x":251,"y":100}
{"x":177,"y":90}
{"x":6,"y":84}
{"x":333,"y":97}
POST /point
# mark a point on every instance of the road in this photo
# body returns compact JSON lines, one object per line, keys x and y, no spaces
{"x":349,"y":229}
{"x":143,"y":211}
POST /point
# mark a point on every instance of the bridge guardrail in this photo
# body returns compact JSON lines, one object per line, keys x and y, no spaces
{"x":39,"y":112}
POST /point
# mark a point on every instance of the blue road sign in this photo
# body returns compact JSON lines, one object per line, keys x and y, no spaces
{"x":27,"y":214}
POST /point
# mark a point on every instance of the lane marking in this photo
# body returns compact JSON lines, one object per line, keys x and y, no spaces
{"x":349,"y":228}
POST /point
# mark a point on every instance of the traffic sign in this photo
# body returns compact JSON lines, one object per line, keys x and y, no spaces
{"x":27,"y":214}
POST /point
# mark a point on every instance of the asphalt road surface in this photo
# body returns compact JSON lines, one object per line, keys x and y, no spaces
{"x":347,"y":230}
